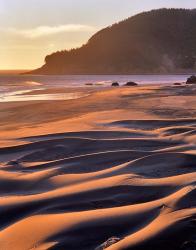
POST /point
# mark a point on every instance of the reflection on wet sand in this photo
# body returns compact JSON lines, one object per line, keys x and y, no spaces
{"x":19,"y":96}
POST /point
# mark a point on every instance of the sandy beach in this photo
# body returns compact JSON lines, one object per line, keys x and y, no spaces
{"x":112,"y":169}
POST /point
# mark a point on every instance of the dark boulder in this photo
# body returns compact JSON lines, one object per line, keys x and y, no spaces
{"x":177,"y":84}
{"x":89,"y":84}
{"x":131,"y":84}
{"x":115,"y":84}
{"x":191,"y":80}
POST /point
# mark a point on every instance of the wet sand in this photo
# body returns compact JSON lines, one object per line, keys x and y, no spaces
{"x":118,"y":163}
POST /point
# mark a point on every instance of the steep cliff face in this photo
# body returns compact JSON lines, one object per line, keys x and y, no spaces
{"x":159,"y":41}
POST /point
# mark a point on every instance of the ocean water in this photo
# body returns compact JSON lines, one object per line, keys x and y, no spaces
{"x":10,"y":84}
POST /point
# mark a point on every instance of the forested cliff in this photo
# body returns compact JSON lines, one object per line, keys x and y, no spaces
{"x":159,"y":41}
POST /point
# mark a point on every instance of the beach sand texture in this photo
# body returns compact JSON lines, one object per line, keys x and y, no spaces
{"x":118,"y":163}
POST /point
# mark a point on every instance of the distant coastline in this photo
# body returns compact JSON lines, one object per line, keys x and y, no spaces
{"x":152,"y":42}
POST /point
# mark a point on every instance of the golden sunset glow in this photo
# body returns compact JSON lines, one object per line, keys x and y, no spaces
{"x":32,"y":29}
{"x":98,"y":124}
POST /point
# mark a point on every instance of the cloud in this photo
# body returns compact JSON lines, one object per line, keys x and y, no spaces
{"x":42,"y":31}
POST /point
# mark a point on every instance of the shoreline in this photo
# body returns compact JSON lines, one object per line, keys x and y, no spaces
{"x":152,"y":101}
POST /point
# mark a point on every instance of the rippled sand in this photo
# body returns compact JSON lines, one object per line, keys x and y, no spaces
{"x":114,"y":170}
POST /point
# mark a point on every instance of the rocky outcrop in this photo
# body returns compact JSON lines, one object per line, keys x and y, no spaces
{"x":131,"y":84}
{"x":191,"y":80}
{"x":115,"y":84}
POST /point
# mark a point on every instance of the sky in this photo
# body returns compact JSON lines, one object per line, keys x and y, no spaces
{"x":32,"y":29}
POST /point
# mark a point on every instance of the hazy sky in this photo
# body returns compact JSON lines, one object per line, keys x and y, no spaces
{"x":31,"y":29}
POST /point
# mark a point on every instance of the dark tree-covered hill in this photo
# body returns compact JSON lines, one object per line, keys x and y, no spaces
{"x":159,"y":41}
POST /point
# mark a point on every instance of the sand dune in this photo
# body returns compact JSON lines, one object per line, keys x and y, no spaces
{"x":97,"y":185}
{"x":123,"y":184}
